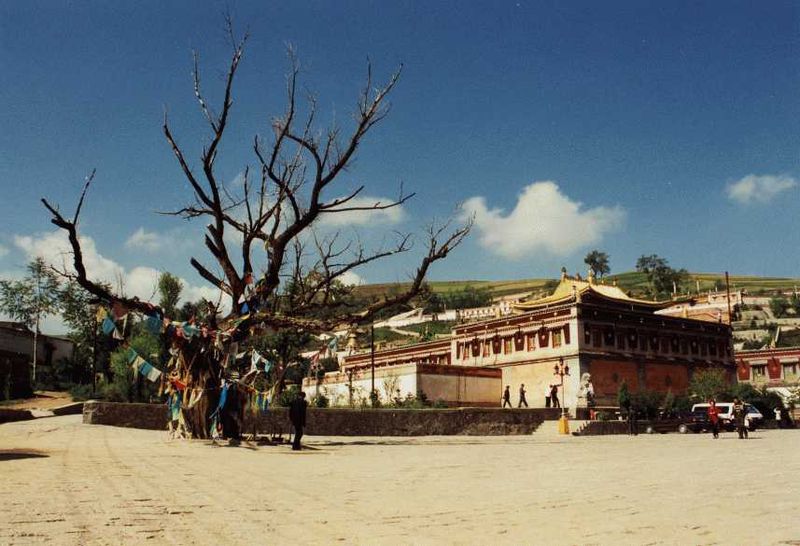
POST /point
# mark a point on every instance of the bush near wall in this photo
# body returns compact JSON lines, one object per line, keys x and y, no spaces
{"x":345,"y":422}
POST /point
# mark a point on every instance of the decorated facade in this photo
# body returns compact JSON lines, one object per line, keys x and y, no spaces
{"x":583,"y":327}
{"x":775,"y":367}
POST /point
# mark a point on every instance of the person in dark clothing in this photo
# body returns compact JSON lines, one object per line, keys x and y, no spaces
{"x":554,"y":396}
{"x":633,"y":424}
{"x":739,"y":413}
{"x":297,"y":415}
{"x":522,"y":399}
{"x":507,"y":397}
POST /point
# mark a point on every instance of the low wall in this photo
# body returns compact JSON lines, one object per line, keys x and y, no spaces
{"x":603,"y":428}
{"x":11,"y":415}
{"x":346,"y":422}
{"x":74,"y":408}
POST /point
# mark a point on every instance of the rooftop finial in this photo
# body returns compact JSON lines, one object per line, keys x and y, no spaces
{"x":563,"y":273}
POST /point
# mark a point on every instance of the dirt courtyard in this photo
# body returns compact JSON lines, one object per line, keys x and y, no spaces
{"x":68,"y":483}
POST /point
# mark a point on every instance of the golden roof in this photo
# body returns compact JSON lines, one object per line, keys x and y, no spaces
{"x":575,"y":288}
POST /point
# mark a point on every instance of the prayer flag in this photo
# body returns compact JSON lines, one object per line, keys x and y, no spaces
{"x":149,"y":371}
{"x":223,"y":397}
{"x":131,"y":355}
{"x":108,"y":326}
{"x":154,"y":324}
{"x":255,"y":358}
{"x":101,"y":314}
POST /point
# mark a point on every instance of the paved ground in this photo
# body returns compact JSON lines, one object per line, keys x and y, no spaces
{"x":42,"y":400}
{"x":69,"y":483}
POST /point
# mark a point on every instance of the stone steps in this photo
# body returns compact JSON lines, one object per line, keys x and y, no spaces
{"x":549,"y":429}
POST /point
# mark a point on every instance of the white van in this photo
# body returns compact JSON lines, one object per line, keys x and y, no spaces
{"x":753,"y":418}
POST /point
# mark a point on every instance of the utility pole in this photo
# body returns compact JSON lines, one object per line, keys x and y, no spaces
{"x":372,"y":395}
{"x":728,"y":290}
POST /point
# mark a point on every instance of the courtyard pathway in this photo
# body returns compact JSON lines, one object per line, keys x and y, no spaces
{"x":68,"y":483}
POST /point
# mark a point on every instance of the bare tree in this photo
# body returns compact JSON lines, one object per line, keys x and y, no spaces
{"x":299,"y":285}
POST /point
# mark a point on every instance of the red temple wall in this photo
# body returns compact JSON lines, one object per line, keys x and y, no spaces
{"x":607,"y":376}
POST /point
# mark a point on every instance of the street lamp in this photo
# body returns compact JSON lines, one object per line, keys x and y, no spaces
{"x":561,"y":369}
{"x":373,"y":394}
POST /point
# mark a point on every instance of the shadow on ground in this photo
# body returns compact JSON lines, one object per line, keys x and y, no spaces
{"x":14,"y":454}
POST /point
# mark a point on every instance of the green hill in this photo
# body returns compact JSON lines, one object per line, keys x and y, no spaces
{"x":631,"y":281}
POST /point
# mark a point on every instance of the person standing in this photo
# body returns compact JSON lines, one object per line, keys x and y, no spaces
{"x":297,"y":415}
{"x":633,"y":423}
{"x":522,"y":399}
{"x":547,"y":390}
{"x":554,"y":396}
{"x":507,"y":397}
{"x":739,"y":414}
{"x":713,"y":417}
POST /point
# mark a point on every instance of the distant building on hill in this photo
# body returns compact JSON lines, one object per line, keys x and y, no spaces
{"x":711,"y":307}
{"x":592,"y":328}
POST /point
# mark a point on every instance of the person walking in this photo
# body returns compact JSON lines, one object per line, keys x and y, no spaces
{"x":739,"y":414}
{"x":554,"y":396}
{"x":547,"y":390}
{"x":522,"y":399}
{"x":507,"y":397}
{"x":713,"y":417}
{"x":297,"y":415}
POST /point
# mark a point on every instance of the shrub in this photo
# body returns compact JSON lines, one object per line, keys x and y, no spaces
{"x":708,"y":384}
{"x":80,"y":393}
{"x":285,"y":398}
{"x":624,"y":397}
{"x":320,"y":401}
{"x":440,"y":404}
{"x":646,"y":404}
{"x":375,"y":399}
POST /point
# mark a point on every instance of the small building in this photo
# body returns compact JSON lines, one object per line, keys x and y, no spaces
{"x":407,"y":371}
{"x":711,"y":307}
{"x":16,"y":356}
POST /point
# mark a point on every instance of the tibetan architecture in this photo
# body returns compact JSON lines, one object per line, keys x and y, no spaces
{"x":777,"y":369}
{"x":596,"y":331}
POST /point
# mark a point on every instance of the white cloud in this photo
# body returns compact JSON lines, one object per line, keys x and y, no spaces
{"x":352,"y":279}
{"x":384,"y":217}
{"x":140,"y":281}
{"x":543,"y":220}
{"x":148,"y":241}
{"x":760,"y":189}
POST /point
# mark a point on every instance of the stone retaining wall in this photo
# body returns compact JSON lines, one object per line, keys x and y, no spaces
{"x":11,"y":415}
{"x":346,"y":422}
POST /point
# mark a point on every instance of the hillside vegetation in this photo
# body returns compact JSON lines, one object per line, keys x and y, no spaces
{"x":633,"y":282}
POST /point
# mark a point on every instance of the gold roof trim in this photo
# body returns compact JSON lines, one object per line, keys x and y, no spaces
{"x":572,"y":288}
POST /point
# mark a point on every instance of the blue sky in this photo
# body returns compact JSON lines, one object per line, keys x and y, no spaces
{"x":667,"y":128}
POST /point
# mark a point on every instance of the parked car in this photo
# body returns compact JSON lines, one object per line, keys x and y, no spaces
{"x":695,"y":421}
{"x":754,"y":418}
